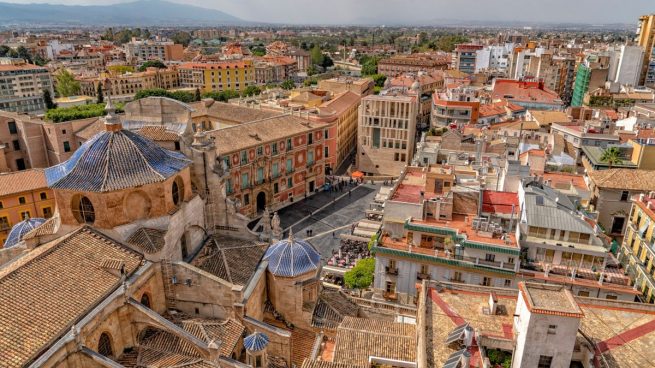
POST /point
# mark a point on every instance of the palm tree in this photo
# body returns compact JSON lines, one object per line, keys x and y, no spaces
{"x":612,"y":156}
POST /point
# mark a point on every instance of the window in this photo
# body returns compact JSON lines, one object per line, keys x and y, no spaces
{"x":228,"y":186}
{"x":47,"y":212}
{"x":21,"y":200}
{"x":326,"y":152}
{"x":12,"y":127}
{"x":625,"y":195}
{"x":390,"y":287}
{"x":20,"y":164}
{"x":289,"y":144}
{"x":145,"y":300}
{"x":24,"y":215}
{"x":289,"y":165}
{"x":246,"y":199}
{"x":1,"y":205}
{"x":611,"y":297}
{"x":83,"y":210}
{"x":424,"y":269}
{"x":508,"y":283}
{"x":457,"y":276}
{"x":310,"y":157}
{"x":486,"y":281}
{"x":245,"y":181}
{"x":260,"y":151}
{"x":274,"y":148}
{"x":290,"y":182}
{"x":16,"y":144}
{"x":4,"y":223}
{"x":43,"y":196}
{"x":185,"y":252}
{"x":67,"y":146}
{"x":545,"y":361}
{"x":552,"y":329}
{"x":325,"y":134}
{"x":177,"y":191}
{"x":177,"y":145}
{"x":489,"y":257}
{"x":244,"y":157}
{"x":275,"y":188}
{"x":310,"y":138}
{"x":104,"y":346}
{"x":583,"y":293}
{"x":260,"y":175}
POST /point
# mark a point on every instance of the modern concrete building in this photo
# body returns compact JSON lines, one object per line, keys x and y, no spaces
{"x":386,"y":132}
{"x":22,"y":86}
{"x":592,"y":73}
{"x":629,"y":68}
{"x":140,"y":51}
{"x":464,"y":57}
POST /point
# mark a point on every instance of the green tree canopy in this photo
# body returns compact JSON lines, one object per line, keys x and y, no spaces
{"x":223,"y":96}
{"x":47,"y":99}
{"x":251,"y":91}
{"x":66,"y":84}
{"x":379,"y":79}
{"x":60,"y":114}
{"x":360,"y":276}
{"x":288,"y":84}
{"x":316,"y":55}
{"x":152,"y":64}
{"x":182,"y":96}
{"x":612,"y":156}
{"x":100,"y":97}
{"x":182,"y":37}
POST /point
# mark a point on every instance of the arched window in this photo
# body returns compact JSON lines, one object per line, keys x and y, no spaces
{"x":145,"y":300}
{"x":83,"y":210}
{"x":185,"y":252}
{"x":104,"y":345}
{"x":177,"y":190}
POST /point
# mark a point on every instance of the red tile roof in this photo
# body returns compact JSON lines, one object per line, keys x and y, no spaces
{"x":524,"y":91}
{"x":499,"y":202}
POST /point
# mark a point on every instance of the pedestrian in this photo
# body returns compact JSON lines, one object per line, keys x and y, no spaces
{"x":334,"y":235}
{"x":307,"y":233}
{"x":349,"y":192}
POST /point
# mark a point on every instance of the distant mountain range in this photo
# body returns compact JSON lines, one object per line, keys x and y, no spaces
{"x":140,"y":12}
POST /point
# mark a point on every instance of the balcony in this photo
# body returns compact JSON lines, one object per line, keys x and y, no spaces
{"x":422,"y":276}
{"x":391,"y":271}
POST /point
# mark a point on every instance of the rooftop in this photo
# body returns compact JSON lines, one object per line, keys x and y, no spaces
{"x":624,"y":179}
{"x":50,"y":288}
{"x":594,"y":154}
{"x":500,"y":202}
{"x":550,"y":299}
{"x":359,"y":338}
{"x":29,"y":180}
{"x":622,"y":333}
{"x":230,"y":259}
{"x":523,"y":91}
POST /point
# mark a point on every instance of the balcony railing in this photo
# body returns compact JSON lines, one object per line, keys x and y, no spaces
{"x":391,"y":271}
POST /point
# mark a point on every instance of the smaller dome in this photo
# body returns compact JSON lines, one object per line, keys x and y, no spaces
{"x":292,"y":257}
{"x":255,"y":342}
{"x":19,"y":230}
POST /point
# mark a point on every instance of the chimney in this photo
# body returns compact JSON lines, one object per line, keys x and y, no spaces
{"x":642,"y":196}
{"x":466,"y":359}
{"x":468,"y":336}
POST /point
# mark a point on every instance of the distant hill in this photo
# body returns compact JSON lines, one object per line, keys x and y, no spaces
{"x":140,"y":12}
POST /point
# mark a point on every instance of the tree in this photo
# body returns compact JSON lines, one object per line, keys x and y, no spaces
{"x":182,"y":37}
{"x":223,"y":96}
{"x":100,"y":98}
{"x":197,"y":94}
{"x":38,"y":60}
{"x":152,"y":64}
{"x":379,"y":79}
{"x":58,"y":115}
{"x":66,"y":83}
{"x":251,"y":91}
{"x":47,"y":99}
{"x":316,"y":55}
{"x":182,"y":96}
{"x":361,"y":276}
{"x":23,"y":53}
{"x":288,"y":84}
{"x":326,"y":62}
{"x":612,"y":156}
{"x":4,"y":50}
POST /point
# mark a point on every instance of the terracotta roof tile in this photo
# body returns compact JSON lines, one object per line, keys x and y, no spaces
{"x":46,"y":291}
{"x":22,"y":181}
{"x":624,"y":179}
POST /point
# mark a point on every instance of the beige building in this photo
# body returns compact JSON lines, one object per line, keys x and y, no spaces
{"x":22,"y":86}
{"x":611,"y":194}
{"x":139,"y":51}
{"x":386,"y":133}
{"x":360,"y":86}
{"x":129,"y":84}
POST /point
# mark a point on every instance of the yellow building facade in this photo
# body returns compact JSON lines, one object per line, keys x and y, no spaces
{"x":638,"y":250}
{"x":31,"y":198}
{"x":218,"y":76}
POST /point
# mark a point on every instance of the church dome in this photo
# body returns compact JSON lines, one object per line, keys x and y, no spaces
{"x":113,"y":160}
{"x":255,"y":342}
{"x":292,"y":257}
{"x":20,"y":229}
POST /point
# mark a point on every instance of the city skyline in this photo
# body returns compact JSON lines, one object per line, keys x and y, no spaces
{"x":411,"y":12}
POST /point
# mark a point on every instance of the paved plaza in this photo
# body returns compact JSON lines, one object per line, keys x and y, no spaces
{"x":326,"y":213}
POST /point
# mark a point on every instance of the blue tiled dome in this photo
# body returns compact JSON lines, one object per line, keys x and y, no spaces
{"x":20,"y":229}
{"x":292,"y":257}
{"x":255,"y":342}
{"x":115,"y":160}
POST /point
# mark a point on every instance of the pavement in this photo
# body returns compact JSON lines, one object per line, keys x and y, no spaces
{"x":326,"y":213}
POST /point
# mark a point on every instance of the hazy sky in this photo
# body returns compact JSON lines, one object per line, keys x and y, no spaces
{"x":399,"y":11}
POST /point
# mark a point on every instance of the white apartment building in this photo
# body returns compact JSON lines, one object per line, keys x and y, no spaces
{"x":22,"y":86}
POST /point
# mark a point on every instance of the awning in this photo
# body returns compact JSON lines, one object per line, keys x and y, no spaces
{"x":357,"y":175}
